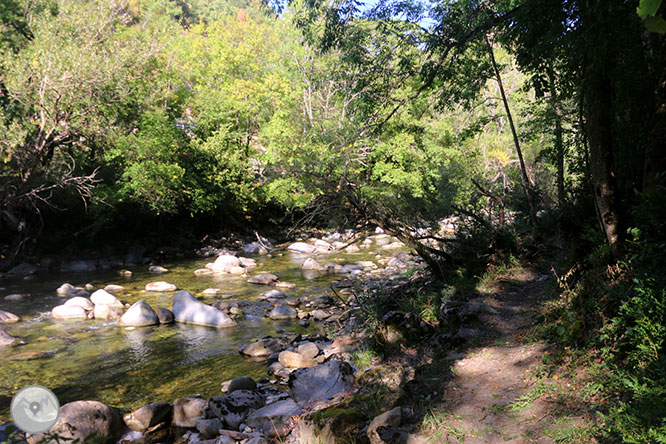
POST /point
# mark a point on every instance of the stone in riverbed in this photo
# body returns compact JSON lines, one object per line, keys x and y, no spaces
{"x":321,"y":383}
{"x":211,"y":291}
{"x":302,"y":247}
{"x":148,"y":416}
{"x":261,"y":348}
{"x":107,"y":312}
{"x":140,"y":314}
{"x":263,"y":279}
{"x":280,"y":312}
{"x":311,"y":264}
{"x":187,"y":309}
{"x":112,"y":288}
{"x":8,"y":318}
{"x":241,"y":383}
{"x":6,"y":339}
{"x":277,"y":294}
{"x":224,"y":263}
{"x":233,"y":408}
{"x":164,"y":315}
{"x":274,"y":419}
{"x":208,"y":428}
{"x":308,"y":350}
{"x":103,"y":297}
{"x":203,"y":272}
{"x":320,"y":315}
{"x":78,"y":266}
{"x":290,"y":359}
{"x":80,"y":420}
{"x":84,"y":303}
{"x":160,"y":286}
{"x":157,"y":269}
{"x":23,"y":270}
{"x":66,"y":289}
{"x":70,"y":312}
{"x":187,"y":411}
{"x":14,"y":297}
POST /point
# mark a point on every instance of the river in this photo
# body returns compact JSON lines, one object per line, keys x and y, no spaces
{"x":126,"y":367}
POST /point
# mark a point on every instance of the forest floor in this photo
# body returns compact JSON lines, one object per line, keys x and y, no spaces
{"x":510,"y":387}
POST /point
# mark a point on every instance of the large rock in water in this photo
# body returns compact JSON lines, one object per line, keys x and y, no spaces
{"x":311,"y":264}
{"x":140,"y":314}
{"x":107,"y":312}
{"x":103,"y":297}
{"x":148,"y":416}
{"x":79,"y":420}
{"x":321,"y":383}
{"x":68,"y":312}
{"x":263,"y":279}
{"x":261,"y":348}
{"x":66,"y":289}
{"x":283,"y":312}
{"x":274,"y":419}
{"x":164,"y":315}
{"x":187,"y":309}
{"x":78,"y":266}
{"x":8,"y":318}
{"x":302,"y":247}
{"x":84,"y":303}
{"x":224,"y":263}
{"x":160,"y":286}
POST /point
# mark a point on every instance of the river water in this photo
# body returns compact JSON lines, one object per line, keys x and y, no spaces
{"x":127,"y":368}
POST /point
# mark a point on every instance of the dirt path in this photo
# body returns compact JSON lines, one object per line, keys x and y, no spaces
{"x":499,"y":392}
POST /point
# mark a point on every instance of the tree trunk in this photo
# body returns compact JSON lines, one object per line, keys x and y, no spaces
{"x":602,"y":165}
{"x":527,"y":184}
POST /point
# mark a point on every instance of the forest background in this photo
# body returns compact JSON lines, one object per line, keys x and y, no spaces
{"x":534,"y":122}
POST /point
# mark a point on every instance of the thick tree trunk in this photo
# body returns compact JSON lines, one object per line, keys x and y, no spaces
{"x":602,"y":165}
{"x":527,"y":184}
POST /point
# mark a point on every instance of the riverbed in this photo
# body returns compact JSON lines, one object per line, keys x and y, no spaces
{"x":130,"y":367}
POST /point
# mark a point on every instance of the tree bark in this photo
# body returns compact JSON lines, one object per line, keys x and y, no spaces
{"x":527,"y":184}
{"x":602,"y":164}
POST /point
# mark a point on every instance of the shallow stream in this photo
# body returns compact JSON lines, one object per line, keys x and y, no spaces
{"x":128,"y":368}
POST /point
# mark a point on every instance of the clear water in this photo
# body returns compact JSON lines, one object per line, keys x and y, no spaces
{"x":127,"y":368}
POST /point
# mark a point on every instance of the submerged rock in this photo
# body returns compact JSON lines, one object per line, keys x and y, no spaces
{"x":280,"y":312}
{"x":263,"y":279}
{"x":302,"y":247}
{"x":14,"y":297}
{"x":80,"y":420}
{"x":311,"y":264}
{"x":112,"y":288}
{"x":263,"y":347}
{"x":187,"y":309}
{"x":6,"y":339}
{"x":160,"y":286}
{"x":69,"y":312}
{"x":78,"y":266}
{"x":140,"y":314}
{"x":107,"y":312}
{"x":157,"y":269}
{"x":8,"y":318}
{"x":23,"y":270}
